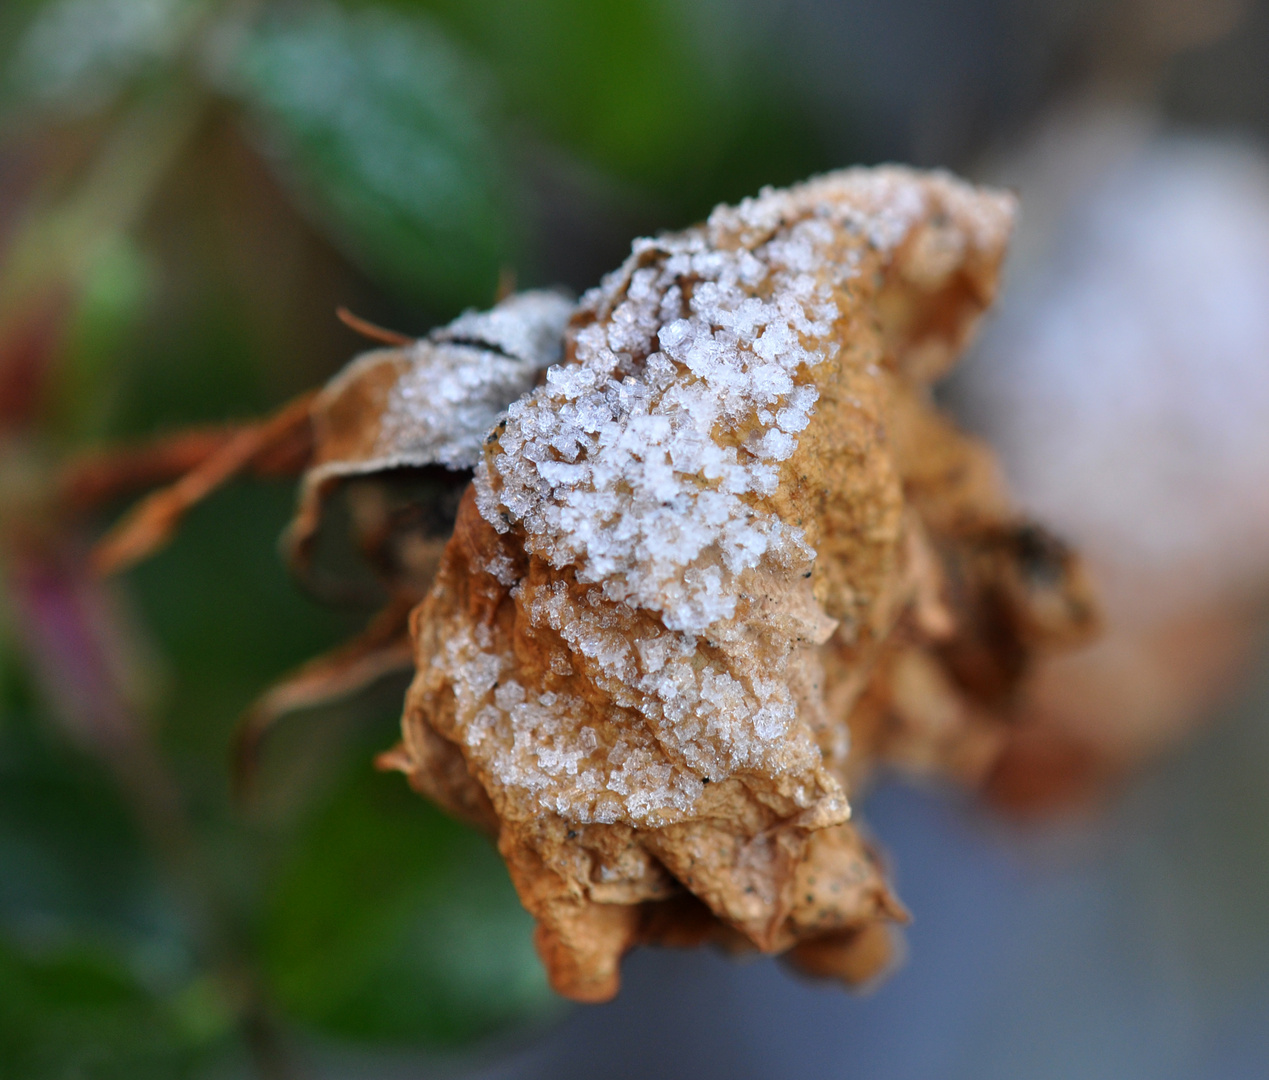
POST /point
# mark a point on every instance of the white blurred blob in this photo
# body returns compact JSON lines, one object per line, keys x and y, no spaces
{"x":75,"y":53}
{"x":1125,"y":383}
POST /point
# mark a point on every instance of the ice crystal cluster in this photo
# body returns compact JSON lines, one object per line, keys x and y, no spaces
{"x":461,"y":377}
{"x":640,"y":466}
{"x":639,"y":462}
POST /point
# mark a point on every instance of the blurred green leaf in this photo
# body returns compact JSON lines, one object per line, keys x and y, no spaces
{"x":675,"y":97}
{"x":227,"y":641}
{"x":71,"y":861}
{"x":80,"y":1012}
{"x":89,"y":944}
{"x":621,"y":81}
{"x":393,"y":922}
{"x":379,"y":122}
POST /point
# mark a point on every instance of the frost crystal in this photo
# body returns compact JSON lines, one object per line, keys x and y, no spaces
{"x":460,"y":378}
{"x":640,"y":461}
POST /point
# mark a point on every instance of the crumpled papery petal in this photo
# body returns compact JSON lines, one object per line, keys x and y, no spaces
{"x":426,"y":404}
{"x":718,"y":562}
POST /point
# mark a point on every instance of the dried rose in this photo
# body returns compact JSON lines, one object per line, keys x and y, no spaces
{"x":721,"y":555}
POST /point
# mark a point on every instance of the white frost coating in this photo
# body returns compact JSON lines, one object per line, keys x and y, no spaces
{"x":462,"y":377}
{"x":711,"y":723}
{"x":527,"y":326}
{"x":640,"y":461}
{"x":644,"y":464}
{"x":701,"y":722}
{"x":527,"y":740}
{"x":881,"y":204}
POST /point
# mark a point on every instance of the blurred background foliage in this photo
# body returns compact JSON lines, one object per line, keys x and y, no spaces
{"x":188,"y":189}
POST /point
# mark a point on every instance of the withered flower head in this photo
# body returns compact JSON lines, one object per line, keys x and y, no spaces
{"x":730,"y":521}
{"x":720,"y":555}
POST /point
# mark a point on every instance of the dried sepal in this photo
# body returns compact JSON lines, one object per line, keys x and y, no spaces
{"x":150,"y":525}
{"x":423,"y":405}
{"x":382,"y":649}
